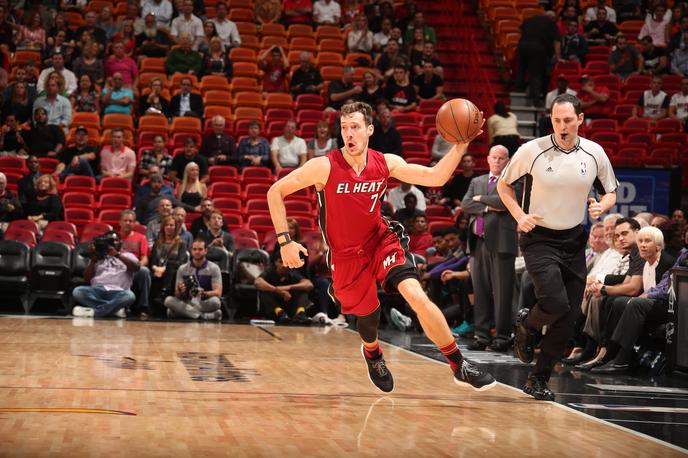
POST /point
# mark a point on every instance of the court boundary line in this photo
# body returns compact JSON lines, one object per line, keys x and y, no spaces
{"x":562,"y":406}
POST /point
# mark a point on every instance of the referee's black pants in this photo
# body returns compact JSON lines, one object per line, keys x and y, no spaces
{"x":555,"y":261}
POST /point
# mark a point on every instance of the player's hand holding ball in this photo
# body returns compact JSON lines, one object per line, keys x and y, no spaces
{"x":291,"y":254}
{"x":459,"y":121}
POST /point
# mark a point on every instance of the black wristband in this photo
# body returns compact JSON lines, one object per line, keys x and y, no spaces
{"x":283,"y":238}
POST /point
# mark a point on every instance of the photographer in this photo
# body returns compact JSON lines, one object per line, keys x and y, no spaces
{"x":199,"y":287}
{"x":110,"y":274}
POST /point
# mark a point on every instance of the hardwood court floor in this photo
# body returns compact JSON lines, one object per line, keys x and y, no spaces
{"x":135,"y":389}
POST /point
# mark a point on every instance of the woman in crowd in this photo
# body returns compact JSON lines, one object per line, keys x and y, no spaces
{"x":209,"y":32}
{"x":323,"y":142}
{"x":89,"y":63}
{"x":191,"y":191}
{"x":167,"y":255}
{"x":502,"y":127}
{"x":360,"y":38}
{"x":372,"y":92}
{"x":20,"y":104}
{"x":47,"y":206}
{"x":85,"y":98}
{"x":254,"y":149}
{"x":60,"y":24}
{"x":58,"y":44}
{"x":154,"y":102}
{"x":32,"y":34}
{"x":216,"y":60}
{"x":127,"y":37}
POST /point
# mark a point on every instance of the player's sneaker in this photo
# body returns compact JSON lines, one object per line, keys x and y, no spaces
{"x":378,"y":373}
{"x":469,"y":374}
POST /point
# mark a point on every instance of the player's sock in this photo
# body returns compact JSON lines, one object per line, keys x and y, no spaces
{"x":372,"y":350}
{"x":453,"y":355}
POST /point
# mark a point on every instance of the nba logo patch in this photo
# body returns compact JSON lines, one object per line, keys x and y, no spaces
{"x":583,"y":168}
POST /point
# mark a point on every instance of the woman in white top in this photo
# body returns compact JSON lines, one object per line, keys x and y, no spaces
{"x":323,"y":142}
{"x":502,"y":127}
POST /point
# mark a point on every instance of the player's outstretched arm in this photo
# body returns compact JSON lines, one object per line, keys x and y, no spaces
{"x":434,"y":176}
{"x":313,"y":172}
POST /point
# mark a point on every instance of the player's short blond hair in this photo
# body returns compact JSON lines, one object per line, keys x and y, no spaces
{"x":358,"y":107}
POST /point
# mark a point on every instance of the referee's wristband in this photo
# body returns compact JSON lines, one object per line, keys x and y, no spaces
{"x":283,"y":238}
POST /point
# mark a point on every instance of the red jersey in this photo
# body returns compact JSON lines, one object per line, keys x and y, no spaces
{"x":350,"y":216}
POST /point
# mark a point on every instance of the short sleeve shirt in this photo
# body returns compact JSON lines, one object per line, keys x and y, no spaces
{"x":558,"y":182}
{"x":652,"y":104}
{"x":292,"y":277}
{"x":680,"y":101}
{"x":636,"y":264}
{"x":208,"y":274}
{"x":136,"y":243}
{"x":289,"y":152}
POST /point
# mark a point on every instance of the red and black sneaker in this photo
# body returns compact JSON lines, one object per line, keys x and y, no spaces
{"x":378,"y":372}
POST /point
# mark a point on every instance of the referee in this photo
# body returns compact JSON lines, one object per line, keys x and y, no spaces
{"x":559,"y":171}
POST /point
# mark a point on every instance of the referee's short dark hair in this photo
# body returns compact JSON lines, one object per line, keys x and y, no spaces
{"x":635,"y":225}
{"x":568,"y":98}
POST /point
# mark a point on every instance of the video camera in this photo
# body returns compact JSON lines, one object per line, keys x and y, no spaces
{"x":101,"y":245}
{"x":191,"y":285}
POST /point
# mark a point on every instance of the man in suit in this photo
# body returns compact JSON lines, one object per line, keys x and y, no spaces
{"x":492,"y":243}
{"x":186,"y":103}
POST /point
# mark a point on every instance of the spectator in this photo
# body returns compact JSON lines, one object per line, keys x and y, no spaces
{"x":414,"y":48}
{"x":306,"y":79}
{"x":428,"y":55}
{"x":126,"y":36}
{"x":85,"y":98}
{"x":202,"y":224}
{"x":545,"y":121}
{"x":161,"y":10}
{"x":254,"y":150}
{"x":396,"y":196}
{"x":57,"y":107}
{"x":351,"y":9}
{"x":440,"y":148}
{"x":184,"y":59}
{"x":288,"y":150}
{"x":77,"y":159}
{"x":109,"y":291}
{"x":678,"y":105}
{"x":601,"y":31}
{"x":400,"y":92}
{"x":91,"y":27}
{"x":148,"y":196}
{"x":419,"y":23}
{"x":654,"y":61}
{"x":502,"y":128}
{"x":10,"y":207}
{"x":594,"y":100}
{"x":386,"y":61}
{"x":371,"y":92}
{"x":267,"y":11}
{"x":89,"y":63}
{"x":31,"y":35}
{"x":204,"y":301}
{"x":226,"y":29}
{"x":454,"y":191}
{"x":216,"y":60}
{"x":106,"y":23}
{"x":156,"y":158}
{"x":46,"y":206}
{"x":679,"y":61}
{"x":377,"y":13}
{"x":186,"y":103}
{"x":360,"y":38}
{"x":216,"y":233}
{"x":209,"y":32}
{"x":179,"y":214}
{"x":386,"y":139}
{"x":283,"y":292}
{"x":341,"y":91}
{"x":326,"y":12}
{"x":117,"y":159}
{"x":21,"y":77}
{"x":568,"y":14}
{"x":428,"y":84}
{"x":421,"y":239}
{"x":152,"y":41}
{"x":406,"y":214}
{"x":539,"y":43}
{"x":43,"y":139}
{"x":167,"y":254}
{"x":120,"y":63}
{"x":190,"y":154}
{"x":59,"y":25}
{"x":155,"y":102}
{"x":26,"y":186}
{"x":275,"y":70}
{"x":20,"y":104}
{"x":59,"y":46}
{"x":381,"y":38}
{"x":219,"y":147}
{"x":592,"y":13}
{"x":191,"y":191}
{"x":11,"y":139}
{"x":625,"y":59}
{"x":117,"y":98}
{"x":134,"y":17}
{"x":297,"y":12}
{"x":187,"y":24}
{"x":164,"y":209}
{"x":135,"y":243}
{"x":654,"y":102}
{"x":323,"y":142}
{"x":677,"y":39}
{"x":656,"y":26}
{"x":574,"y":46}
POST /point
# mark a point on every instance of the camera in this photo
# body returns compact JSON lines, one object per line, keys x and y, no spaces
{"x":191,"y":285}
{"x":102,"y":244}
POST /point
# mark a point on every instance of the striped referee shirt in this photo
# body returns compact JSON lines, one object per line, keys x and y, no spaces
{"x":558,"y":181}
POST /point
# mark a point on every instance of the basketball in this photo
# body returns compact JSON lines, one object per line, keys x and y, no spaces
{"x":458,"y":121}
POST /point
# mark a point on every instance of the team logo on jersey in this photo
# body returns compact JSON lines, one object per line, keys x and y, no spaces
{"x":583,"y":168}
{"x":389,"y":260}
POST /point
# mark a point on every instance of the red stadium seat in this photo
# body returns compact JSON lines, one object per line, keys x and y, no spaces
{"x":244,"y":232}
{"x":115,"y":185}
{"x":61,"y":226}
{"x":114,"y":201}
{"x":246,"y":242}
{"x":59,"y":236}
{"x":21,"y":235}
{"x":23,"y":225}
{"x":227,"y":203}
{"x":224,"y":189}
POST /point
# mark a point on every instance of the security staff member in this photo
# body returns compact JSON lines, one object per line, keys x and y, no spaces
{"x":560,"y":171}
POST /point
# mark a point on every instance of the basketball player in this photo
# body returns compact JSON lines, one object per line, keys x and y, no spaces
{"x":559,"y":170}
{"x":363,"y":246}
